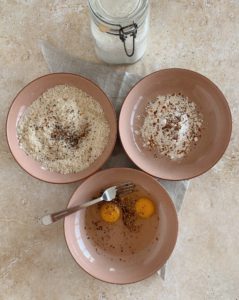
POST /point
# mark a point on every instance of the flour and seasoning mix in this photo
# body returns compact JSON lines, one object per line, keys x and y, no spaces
{"x":172,"y":126}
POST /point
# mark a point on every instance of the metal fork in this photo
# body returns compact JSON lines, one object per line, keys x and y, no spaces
{"x":108,"y":195}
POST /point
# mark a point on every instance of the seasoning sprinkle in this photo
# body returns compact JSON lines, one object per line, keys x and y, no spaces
{"x":172,"y":126}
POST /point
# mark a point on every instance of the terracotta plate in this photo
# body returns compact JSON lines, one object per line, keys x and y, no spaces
{"x":30,"y":93}
{"x":211,"y":102}
{"x":133,"y":266}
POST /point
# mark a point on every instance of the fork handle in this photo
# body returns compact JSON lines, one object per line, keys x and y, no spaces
{"x":63,"y":213}
{"x":68,"y":211}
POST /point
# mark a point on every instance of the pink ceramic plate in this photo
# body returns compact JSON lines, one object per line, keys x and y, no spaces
{"x":30,"y":93}
{"x":215,"y":135}
{"x":118,"y":265}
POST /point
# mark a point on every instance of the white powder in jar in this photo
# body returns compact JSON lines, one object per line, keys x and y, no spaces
{"x":64,"y":129}
{"x":172,"y":126}
{"x":109,"y":47}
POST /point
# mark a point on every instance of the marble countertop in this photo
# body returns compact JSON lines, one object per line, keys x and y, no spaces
{"x":201,"y":35}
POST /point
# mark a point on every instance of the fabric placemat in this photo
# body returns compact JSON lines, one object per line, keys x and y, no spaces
{"x":116,"y":85}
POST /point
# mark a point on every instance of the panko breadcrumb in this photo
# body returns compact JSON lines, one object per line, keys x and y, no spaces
{"x":64,"y":129}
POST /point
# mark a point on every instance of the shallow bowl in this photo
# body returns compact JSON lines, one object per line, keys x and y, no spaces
{"x":125,"y":267}
{"x":217,"y":124}
{"x":30,"y":93}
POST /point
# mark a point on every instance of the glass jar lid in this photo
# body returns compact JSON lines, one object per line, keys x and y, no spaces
{"x":119,"y":9}
{"x":123,"y":12}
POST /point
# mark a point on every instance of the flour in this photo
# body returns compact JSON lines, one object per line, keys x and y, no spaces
{"x":172,"y":125}
{"x":65,"y":129}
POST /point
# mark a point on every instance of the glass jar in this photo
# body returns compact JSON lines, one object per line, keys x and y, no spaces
{"x":119,"y":29}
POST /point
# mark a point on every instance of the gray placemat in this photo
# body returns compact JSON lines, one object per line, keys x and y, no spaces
{"x":116,"y":85}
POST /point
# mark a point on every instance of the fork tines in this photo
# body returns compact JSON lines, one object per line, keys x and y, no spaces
{"x":125,"y":188}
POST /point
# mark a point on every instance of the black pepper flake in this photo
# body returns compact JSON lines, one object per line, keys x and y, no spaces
{"x":70,"y":138}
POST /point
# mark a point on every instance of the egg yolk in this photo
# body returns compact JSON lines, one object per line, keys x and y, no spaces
{"x":110,"y":212}
{"x":144,"y":208}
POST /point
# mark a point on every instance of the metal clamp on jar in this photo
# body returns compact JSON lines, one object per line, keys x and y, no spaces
{"x":119,"y":29}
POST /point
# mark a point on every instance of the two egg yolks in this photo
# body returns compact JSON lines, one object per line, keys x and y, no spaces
{"x":110,"y":212}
